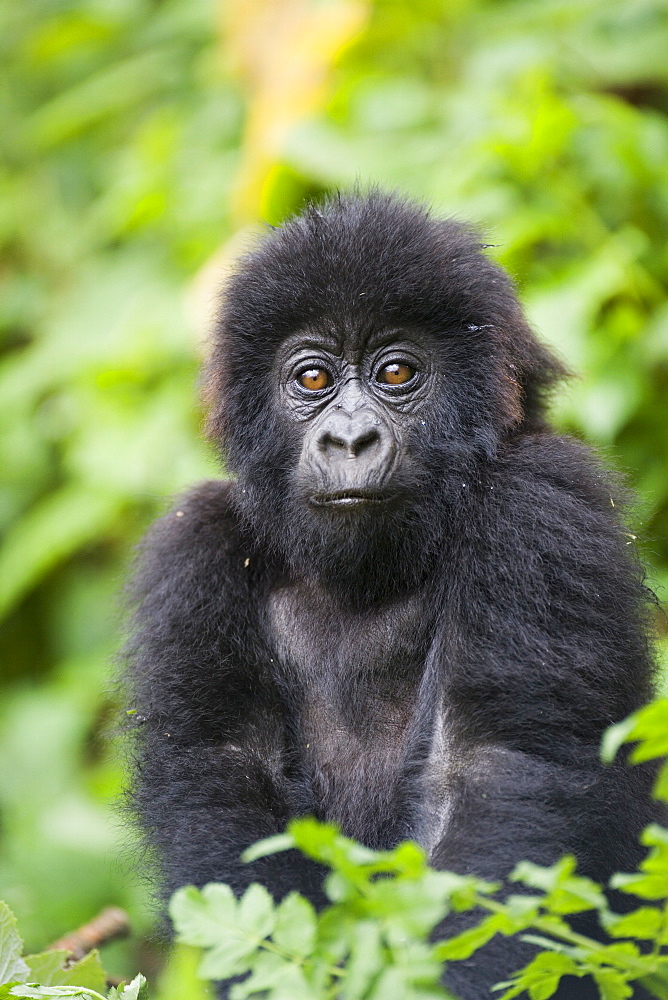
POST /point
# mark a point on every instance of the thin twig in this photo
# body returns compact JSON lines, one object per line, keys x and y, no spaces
{"x":109,"y":924}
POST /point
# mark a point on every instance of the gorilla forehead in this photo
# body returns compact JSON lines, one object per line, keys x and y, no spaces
{"x":365,"y":264}
{"x":371,"y":262}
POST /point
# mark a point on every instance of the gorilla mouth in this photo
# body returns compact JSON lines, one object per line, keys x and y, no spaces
{"x":348,"y":498}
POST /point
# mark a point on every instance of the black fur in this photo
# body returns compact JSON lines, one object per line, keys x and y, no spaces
{"x":440,"y":666}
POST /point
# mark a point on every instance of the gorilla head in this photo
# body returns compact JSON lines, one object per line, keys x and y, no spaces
{"x":368,"y":359}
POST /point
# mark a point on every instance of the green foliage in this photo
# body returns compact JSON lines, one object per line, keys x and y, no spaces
{"x":373,"y":940}
{"x":116,"y":123}
{"x":648,"y":730}
{"x":48,"y":974}
{"x":369,"y":943}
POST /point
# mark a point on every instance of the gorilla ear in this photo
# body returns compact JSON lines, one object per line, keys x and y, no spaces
{"x":215,"y":390}
{"x":530,"y":373}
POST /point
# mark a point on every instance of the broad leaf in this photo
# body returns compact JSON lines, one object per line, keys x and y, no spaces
{"x":12,"y":966}
{"x":296,"y":926}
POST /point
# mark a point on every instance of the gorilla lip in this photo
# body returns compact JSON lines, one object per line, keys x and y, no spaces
{"x":347,"y":498}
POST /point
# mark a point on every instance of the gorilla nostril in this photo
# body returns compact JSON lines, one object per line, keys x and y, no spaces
{"x":329,"y":440}
{"x":353,"y":442}
{"x":364,"y":441}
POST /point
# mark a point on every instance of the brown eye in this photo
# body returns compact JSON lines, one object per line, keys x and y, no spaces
{"x":315,"y":378}
{"x":396,"y":373}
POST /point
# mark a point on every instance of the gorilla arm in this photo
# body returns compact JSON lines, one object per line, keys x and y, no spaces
{"x":544,"y":649}
{"x":209,"y":731}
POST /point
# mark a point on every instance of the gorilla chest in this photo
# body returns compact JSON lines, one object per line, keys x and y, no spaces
{"x":352,"y":678}
{"x":366,"y":662}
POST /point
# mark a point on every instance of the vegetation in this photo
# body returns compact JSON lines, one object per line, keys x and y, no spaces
{"x":48,"y":974}
{"x":141,"y":139}
{"x":373,"y":940}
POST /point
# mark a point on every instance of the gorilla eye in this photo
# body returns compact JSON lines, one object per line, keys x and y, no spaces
{"x":396,"y":373}
{"x":315,"y":378}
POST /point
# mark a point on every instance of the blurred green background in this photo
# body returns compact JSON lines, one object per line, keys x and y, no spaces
{"x":142,"y":142}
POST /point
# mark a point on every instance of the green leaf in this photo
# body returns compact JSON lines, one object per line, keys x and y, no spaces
{"x":661,"y":785}
{"x":48,"y":969}
{"x":366,"y":960}
{"x":231,"y":957}
{"x":521,"y":911}
{"x":266,"y":972}
{"x":469,"y":941}
{"x":622,"y":951}
{"x":465,"y":889}
{"x":270,"y":845}
{"x":549,"y":944}
{"x":657,"y":984}
{"x":257,"y":915}
{"x":645,"y":923}
{"x":566,"y":891}
{"x":546,"y":878}
{"x":46,"y":966}
{"x":230,"y":931}
{"x":88,"y":972}
{"x":612,"y":985}
{"x":653,"y":887}
{"x":615,"y":736}
{"x":136,"y":990}
{"x":338,"y":888}
{"x":397,"y":983}
{"x":291,"y":985}
{"x":410,"y":859}
{"x":323,"y":842}
{"x":655,"y":835}
{"x":34,"y":992}
{"x":275,"y":977}
{"x":651,"y":725}
{"x":198,"y":916}
{"x":540,"y":978}
{"x":414,"y":905}
{"x":12,"y":966}
{"x":296,"y":926}
{"x":179,"y":979}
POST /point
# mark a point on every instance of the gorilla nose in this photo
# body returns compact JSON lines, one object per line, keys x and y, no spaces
{"x":348,"y":436}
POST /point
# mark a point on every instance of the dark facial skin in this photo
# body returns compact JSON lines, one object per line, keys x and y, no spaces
{"x":358,"y":403}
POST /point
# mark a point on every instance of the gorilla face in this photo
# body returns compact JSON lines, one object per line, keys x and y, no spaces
{"x":354,"y":404}
{"x":353,"y":411}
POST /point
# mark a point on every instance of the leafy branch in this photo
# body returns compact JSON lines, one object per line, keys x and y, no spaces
{"x":51,"y":974}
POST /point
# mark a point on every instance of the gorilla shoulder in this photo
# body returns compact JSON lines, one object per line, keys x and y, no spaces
{"x":199,"y":538}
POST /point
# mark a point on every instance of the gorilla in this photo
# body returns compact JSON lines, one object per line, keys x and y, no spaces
{"x":413,"y":609}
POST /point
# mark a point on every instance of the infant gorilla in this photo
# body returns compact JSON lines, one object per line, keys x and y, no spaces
{"x":413,"y":611}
